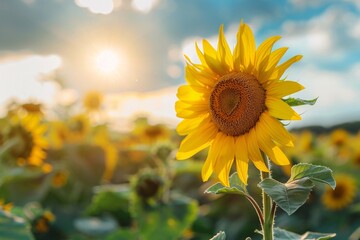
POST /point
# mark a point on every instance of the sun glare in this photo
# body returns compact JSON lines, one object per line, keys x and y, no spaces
{"x":108,"y":61}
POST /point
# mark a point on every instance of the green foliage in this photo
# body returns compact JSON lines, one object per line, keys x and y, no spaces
{"x":23,"y":184}
{"x":293,"y":194}
{"x":289,"y":196}
{"x":281,"y":234}
{"x":219,"y":236}
{"x":168,"y":220}
{"x":314,"y":172}
{"x":13,"y":227}
{"x":122,"y":234}
{"x":112,"y":200}
{"x":236,"y":187}
{"x":299,"y":102}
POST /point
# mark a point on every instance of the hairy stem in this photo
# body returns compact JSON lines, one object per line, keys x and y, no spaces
{"x":269,"y":214}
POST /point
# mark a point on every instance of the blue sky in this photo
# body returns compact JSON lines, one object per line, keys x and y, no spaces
{"x":61,"y":38}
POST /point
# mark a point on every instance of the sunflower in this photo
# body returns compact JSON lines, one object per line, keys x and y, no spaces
{"x":77,"y":128}
{"x":343,"y":194}
{"x":339,"y":137}
{"x":103,"y":140}
{"x":92,"y":100}
{"x":233,"y":102}
{"x":31,"y":144}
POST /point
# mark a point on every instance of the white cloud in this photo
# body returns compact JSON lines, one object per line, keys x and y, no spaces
{"x":144,"y":6}
{"x":329,"y":36}
{"x":97,"y":6}
{"x":158,"y":106}
{"x":22,"y":78}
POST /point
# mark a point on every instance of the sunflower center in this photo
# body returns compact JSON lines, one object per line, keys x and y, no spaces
{"x":339,"y":192}
{"x":236,"y":103}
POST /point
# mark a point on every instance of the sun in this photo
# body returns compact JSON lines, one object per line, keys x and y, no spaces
{"x":108,"y":61}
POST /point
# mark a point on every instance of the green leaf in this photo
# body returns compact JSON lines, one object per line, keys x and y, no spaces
{"x":299,"y":102}
{"x":314,"y":172}
{"x":281,"y":234}
{"x":289,"y":196}
{"x":236,"y":187}
{"x":168,"y":220}
{"x":219,"y":236}
{"x":111,"y":199}
{"x":13,"y":227}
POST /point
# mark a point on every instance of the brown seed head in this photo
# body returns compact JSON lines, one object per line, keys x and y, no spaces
{"x":236,"y":103}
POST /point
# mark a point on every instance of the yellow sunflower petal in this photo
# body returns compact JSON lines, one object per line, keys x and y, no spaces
{"x":212,"y":60}
{"x":281,"y":89}
{"x":254,"y":152}
{"x":224,"y":52}
{"x":268,"y":147}
{"x":276,"y":130}
{"x":225,"y":158}
{"x":197,"y":106}
{"x":213,"y":154}
{"x":263,"y":52}
{"x":187,"y":93}
{"x":197,"y":140}
{"x":279,"y":70}
{"x":273,"y":60}
{"x":244,"y":53}
{"x":186,"y":126}
{"x":242,"y":159}
{"x":200,"y":55}
{"x":195,"y":77}
{"x":279,"y":109}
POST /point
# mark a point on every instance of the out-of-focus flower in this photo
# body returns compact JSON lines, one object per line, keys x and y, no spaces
{"x":339,"y":137}
{"x":28,"y":132}
{"x":343,"y":194}
{"x":92,"y":101}
{"x":102,"y":139}
{"x":233,"y":103}
{"x":42,"y":223}
{"x":148,"y":133}
{"x":59,"y":179}
{"x":57,"y":134}
{"x":5,"y":206}
{"x":77,"y":128}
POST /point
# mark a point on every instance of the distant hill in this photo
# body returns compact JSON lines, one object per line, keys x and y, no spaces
{"x":351,"y":127}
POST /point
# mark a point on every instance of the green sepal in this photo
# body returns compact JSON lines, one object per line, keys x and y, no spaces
{"x":289,"y":196}
{"x":293,"y":102}
{"x":316,"y":173}
{"x":236,"y":187}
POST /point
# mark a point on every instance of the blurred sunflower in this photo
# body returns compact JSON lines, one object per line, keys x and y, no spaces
{"x":343,"y":194}
{"x":5,"y":206}
{"x":102,"y":139}
{"x":152,"y":133}
{"x":57,"y":134}
{"x":339,"y":137}
{"x":233,"y":103}
{"x":92,"y":101}
{"x":59,"y":179}
{"x":77,"y":128}
{"x":28,"y":133}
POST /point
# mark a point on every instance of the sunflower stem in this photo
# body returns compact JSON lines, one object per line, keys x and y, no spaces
{"x":268,"y":208}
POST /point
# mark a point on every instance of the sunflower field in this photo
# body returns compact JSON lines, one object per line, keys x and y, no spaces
{"x":74,"y":177}
{"x":179,"y":120}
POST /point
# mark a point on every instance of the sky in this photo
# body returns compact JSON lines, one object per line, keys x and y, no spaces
{"x":52,"y":50}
